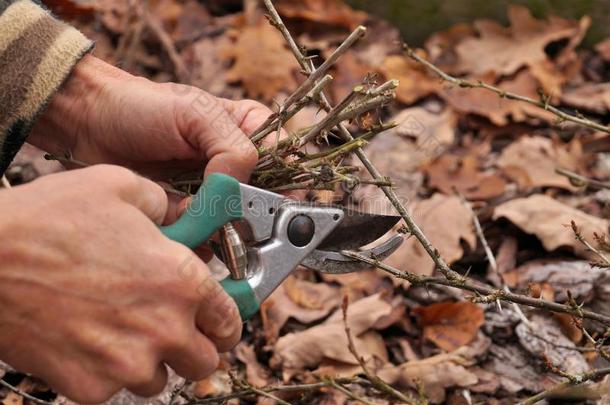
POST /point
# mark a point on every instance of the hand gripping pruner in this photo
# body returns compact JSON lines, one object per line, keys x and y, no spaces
{"x":275,"y":235}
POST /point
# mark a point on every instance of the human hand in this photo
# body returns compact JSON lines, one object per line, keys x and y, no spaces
{"x":106,"y":115}
{"x":94,"y":298}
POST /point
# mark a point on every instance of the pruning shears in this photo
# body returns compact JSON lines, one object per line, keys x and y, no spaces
{"x":273,"y":235}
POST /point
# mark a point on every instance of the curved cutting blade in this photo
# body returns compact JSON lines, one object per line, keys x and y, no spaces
{"x":358,"y":229}
{"x":336,"y":263}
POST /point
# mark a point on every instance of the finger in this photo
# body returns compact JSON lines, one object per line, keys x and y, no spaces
{"x":176,"y":208}
{"x":218,"y":316}
{"x":195,"y":360}
{"x":249,"y":115}
{"x":208,"y":126}
{"x":154,"y":386}
{"x":142,"y":193}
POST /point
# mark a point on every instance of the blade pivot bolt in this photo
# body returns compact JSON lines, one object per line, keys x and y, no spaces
{"x":301,"y":230}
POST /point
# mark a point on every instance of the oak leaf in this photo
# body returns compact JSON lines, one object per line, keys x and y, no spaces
{"x":297,"y":351}
{"x":298,"y":299}
{"x":331,"y":12}
{"x":451,"y":172}
{"x":593,"y":97}
{"x":549,"y":220}
{"x":503,"y":51}
{"x":256,"y":374}
{"x":261,"y":61}
{"x":437,"y":373}
{"x":531,"y":162}
{"x":450,"y":324}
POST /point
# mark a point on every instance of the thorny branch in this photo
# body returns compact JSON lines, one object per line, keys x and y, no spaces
{"x":309,"y":68}
{"x":604,"y":261}
{"x":581,"y":181}
{"x":484,"y":293}
{"x":543,"y":103}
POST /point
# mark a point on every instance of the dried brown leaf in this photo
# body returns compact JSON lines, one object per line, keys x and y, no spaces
{"x":450,"y":325}
{"x":435,"y":374}
{"x":295,"y":352}
{"x":452,"y":172}
{"x":549,"y":220}
{"x":256,"y":374}
{"x":531,"y":162}
{"x":503,"y":51}
{"x":299,"y":299}
{"x":331,"y":12}
{"x":261,"y":61}
{"x":593,"y":97}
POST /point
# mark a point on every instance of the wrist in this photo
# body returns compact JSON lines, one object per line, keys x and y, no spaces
{"x":67,"y":115}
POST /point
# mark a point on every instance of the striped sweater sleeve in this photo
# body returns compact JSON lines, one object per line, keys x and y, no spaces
{"x":37,"y":53}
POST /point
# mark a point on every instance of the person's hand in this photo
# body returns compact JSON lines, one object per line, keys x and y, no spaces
{"x":94,"y":298}
{"x":105,"y":115}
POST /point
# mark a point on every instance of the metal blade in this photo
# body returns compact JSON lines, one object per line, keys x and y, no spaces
{"x":336,"y":263}
{"x":358,"y":229}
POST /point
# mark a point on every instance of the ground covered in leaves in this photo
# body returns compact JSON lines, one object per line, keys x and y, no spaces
{"x":535,"y":182}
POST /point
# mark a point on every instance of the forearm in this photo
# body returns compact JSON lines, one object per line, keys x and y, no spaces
{"x":37,"y":53}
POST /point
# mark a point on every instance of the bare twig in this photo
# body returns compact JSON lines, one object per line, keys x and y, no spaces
{"x":582,"y":181}
{"x":244,"y":393}
{"x":543,"y":104}
{"x":182,"y":72}
{"x":605,"y":262}
{"x":332,"y":383}
{"x":23,"y":394}
{"x":572,"y":381}
{"x":484,"y":292}
{"x":260,"y":392}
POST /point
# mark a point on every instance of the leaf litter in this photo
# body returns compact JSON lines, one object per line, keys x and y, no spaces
{"x":500,"y":154}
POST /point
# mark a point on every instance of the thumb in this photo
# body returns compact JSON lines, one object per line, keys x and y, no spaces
{"x":142,"y":193}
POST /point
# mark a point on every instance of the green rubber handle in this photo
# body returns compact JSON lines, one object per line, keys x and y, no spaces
{"x":217,"y":203}
{"x":243,"y":295}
